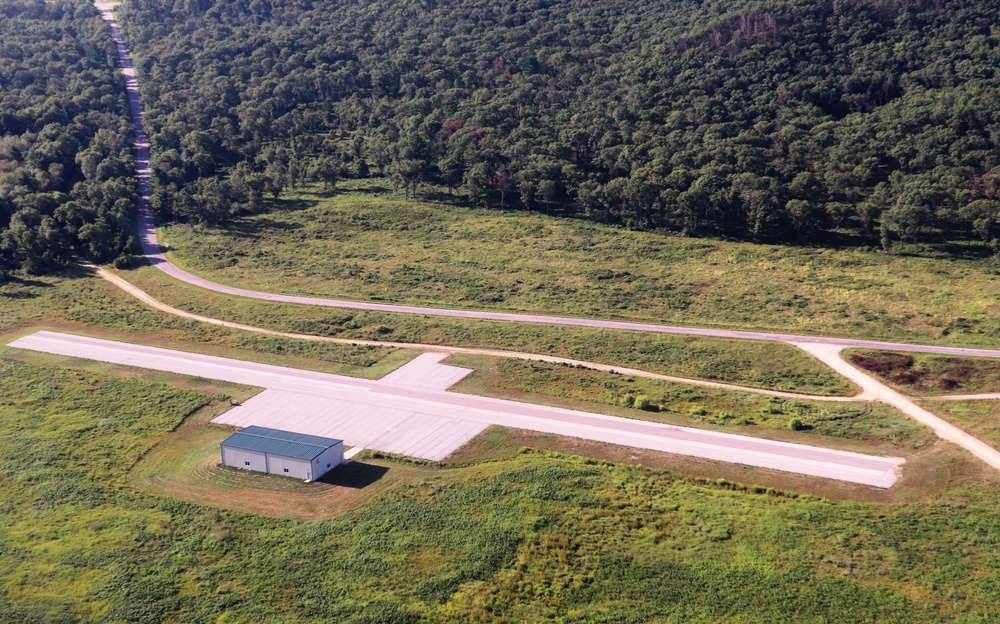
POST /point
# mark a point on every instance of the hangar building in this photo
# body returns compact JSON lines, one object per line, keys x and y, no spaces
{"x":282,"y":452}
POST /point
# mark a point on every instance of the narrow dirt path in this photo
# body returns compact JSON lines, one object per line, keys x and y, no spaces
{"x":830,"y":355}
{"x":143,"y":296}
{"x":963,"y":397}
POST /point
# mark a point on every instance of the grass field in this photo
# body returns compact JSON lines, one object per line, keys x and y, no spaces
{"x":923,"y":374}
{"x":374,"y":246}
{"x":99,"y":467}
{"x":94,"y":530}
{"x":746,"y":362}
{"x":520,"y":536}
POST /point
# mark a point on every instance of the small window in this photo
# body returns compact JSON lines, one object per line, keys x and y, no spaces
{"x":286,"y":469}
{"x":247,"y":463}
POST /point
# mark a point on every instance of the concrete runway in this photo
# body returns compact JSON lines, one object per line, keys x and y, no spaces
{"x":410,"y":413}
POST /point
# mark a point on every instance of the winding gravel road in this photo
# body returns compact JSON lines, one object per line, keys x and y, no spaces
{"x":152,"y":251}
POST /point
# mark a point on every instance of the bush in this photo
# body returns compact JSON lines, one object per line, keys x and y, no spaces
{"x":124,"y":261}
{"x":795,"y":424}
{"x":642,"y":402}
{"x":627,"y":401}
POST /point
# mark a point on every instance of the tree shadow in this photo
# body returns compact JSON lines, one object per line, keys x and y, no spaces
{"x":22,"y":281}
{"x":356,"y":475}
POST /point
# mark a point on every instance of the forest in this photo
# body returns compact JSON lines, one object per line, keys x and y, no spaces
{"x":764,"y":120}
{"x":67,"y":173}
{"x":869,"y":123}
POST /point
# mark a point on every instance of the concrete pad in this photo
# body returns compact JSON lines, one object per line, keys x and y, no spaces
{"x":425,"y":371}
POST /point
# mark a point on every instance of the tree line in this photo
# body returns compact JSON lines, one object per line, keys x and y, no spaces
{"x":754,"y":119}
{"x":67,"y":171}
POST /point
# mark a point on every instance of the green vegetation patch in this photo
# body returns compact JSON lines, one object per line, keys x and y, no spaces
{"x":359,"y":246}
{"x":930,"y":375}
{"x":72,"y":538}
{"x":980,"y":418}
{"x":67,"y":169}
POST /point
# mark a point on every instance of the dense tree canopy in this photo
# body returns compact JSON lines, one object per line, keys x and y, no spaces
{"x":66,"y":164}
{"x":758,"y":119}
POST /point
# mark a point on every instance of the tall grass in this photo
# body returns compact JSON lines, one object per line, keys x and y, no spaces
{"x":526,"y":537}
{"x":356,"y":244}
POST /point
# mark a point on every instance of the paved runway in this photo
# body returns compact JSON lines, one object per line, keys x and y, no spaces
{"x":410,"y":413}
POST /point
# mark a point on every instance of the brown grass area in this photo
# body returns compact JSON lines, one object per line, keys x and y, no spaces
{"x":922,"y":374}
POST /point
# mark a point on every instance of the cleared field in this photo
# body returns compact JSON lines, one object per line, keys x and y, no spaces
{"x":508,"y":533}
{"x":384,"y":407}
{"x":364,"y":246}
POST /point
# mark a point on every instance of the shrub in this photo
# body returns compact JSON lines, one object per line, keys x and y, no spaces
{"x":124,"y":261}
{"x":795,"y":424}
{"x":642,"y":402}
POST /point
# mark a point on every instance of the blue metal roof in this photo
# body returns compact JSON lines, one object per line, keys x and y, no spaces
{"x":278,"y":442}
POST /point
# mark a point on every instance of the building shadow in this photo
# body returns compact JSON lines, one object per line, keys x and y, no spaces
{"x":355,"y":475}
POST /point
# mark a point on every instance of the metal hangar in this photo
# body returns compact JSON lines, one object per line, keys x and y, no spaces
{"x":280,"y":452}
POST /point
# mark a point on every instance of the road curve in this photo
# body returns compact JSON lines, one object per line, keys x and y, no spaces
{"x":153,"y":253}
{"x":143,"y":296}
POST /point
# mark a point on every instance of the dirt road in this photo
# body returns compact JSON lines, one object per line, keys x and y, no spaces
{"x":518,"y":355}
{"x":830,"y":354}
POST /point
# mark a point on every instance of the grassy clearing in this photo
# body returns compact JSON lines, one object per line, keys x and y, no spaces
{"x":860,"y":427}
{"x":365,"y":246}
{"x":980,"y":418}
{"x":497,"y":534}
{"x":753,"y":363}
{"x":523,"y":536}
{"x":922,"y":374}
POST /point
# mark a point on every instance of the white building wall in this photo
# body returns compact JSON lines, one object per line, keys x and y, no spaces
{"x":247,"y":460}
{"x":298,"y":468}
{"x":328,"y":460}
